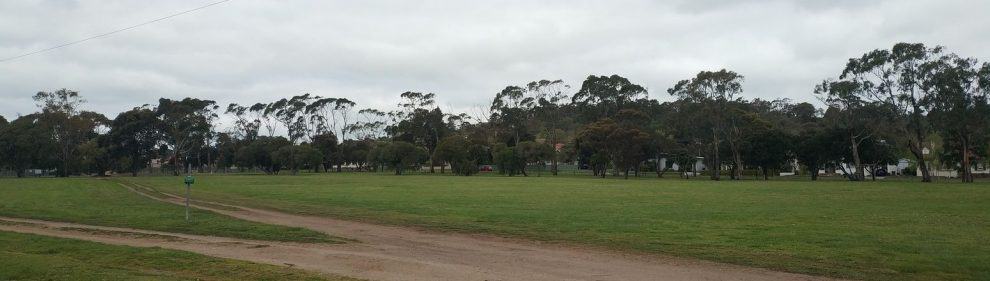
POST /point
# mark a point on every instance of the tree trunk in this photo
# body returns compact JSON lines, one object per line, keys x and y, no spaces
{"x":966,"y":174}
{"x":209,"y":159}
{"x":738,"y":167}
{"x":737,"y":164}
{"x":860,"y":175}
{"x":715,"y":157}
{"x":553,"y":162}
{"x":431,"y":165}
{"x":813,"y":169}
{"x":657,"y":168}
{"x":848,"y":174}
{"x":917,"y":149}
{"x":175,"y":163}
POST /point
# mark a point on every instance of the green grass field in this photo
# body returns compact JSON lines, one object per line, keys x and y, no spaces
{"x":32,"y":257}
{"x":867,"y":230}
{"x":106,"y":203}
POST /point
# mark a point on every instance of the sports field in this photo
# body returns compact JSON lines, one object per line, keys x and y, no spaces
{"x":883,"y":230}
{"x":865,"y":230}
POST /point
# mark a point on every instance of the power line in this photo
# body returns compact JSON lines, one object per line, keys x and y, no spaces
{"x":113,"y":32}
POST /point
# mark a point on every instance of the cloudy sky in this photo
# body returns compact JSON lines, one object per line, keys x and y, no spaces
{"x":369,"y":51}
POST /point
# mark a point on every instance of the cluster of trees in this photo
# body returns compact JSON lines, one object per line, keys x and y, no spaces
{"x":883,"y":106}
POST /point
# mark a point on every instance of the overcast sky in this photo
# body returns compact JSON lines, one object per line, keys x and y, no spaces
{"x":249,"y":51}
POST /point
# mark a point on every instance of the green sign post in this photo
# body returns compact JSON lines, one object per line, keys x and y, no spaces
{"x":189,"y":181}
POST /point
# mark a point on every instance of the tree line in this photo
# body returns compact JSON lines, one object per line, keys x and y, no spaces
{"x":910,"y":101}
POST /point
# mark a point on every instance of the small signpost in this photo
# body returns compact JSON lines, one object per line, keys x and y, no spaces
{"x":189,"y":181}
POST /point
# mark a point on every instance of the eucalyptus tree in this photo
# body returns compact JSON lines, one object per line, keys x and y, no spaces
{"x":663,"y":145}
{"x":297,"y":156}
{"x":3,"y":135}
{"x":769,"y":149}
{"x":419,"y":124}
{"x":331,"y":114}
{"x":402,"y":155}
{"x":355,"y":152}
{"x":291,"y":114}
{"x":814,"y":145}
{"x":370,"y":124}
{"x":603,"y":96}
{"x":57,"y":109}
{"x":265,"y":117}
{"x":26,"y":143}
{"x":688,"y":139}
{"x":510,"y":160}
{"x":622,"y":141}
{"x":877,"y":153}
{"x":593,"y":139}
{"x":631,"y":140}
{"x":69,"y":127}
{"x":813,"y":149}
{"x":133,"y":137}
{"x":536,"y":154}
{"x":226,"y":146}
{"x":896,"y":78}
{"x":959,"y":106}
{"x":551,"y":100}
{"x":245,"y":127}
{"x":716,"y":91}
{"x":512,"y":110}
{"x":456,"y":150}
{"x":260,"y":154}
{"x":410,"y":102}
{"x":457,"y":121}
{"x":185,"y":123}
{"x":850,"y":114}
{"x":327,"y":144}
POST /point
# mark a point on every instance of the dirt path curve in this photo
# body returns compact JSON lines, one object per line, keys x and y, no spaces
{"x":399,"y":253}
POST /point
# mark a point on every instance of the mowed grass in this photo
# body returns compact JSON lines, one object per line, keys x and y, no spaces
{"x":106,"y":203}
{"x":33,"y":257}
{"x":867,"y":230}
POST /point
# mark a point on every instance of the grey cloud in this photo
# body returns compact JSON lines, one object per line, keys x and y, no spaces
{"x":250,"y":51}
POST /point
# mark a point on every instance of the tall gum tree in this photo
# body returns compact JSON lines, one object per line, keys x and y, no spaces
{"x":896,"y":78}
{"x":850,"y":114}
{"x":715,"y":90}
{"x":68,"y":126}
{"x":959,"y":106}
{"x":551,"y":98}
{"x":185,"y":124}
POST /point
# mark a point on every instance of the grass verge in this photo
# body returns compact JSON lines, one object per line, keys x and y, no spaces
{"x":105,"y":203}
{"x":33,"y":257}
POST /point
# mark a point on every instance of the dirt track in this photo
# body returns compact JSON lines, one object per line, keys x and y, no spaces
{"x":398,"y":253}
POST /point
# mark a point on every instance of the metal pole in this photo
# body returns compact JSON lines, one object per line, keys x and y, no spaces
{"x":187,"y":201}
